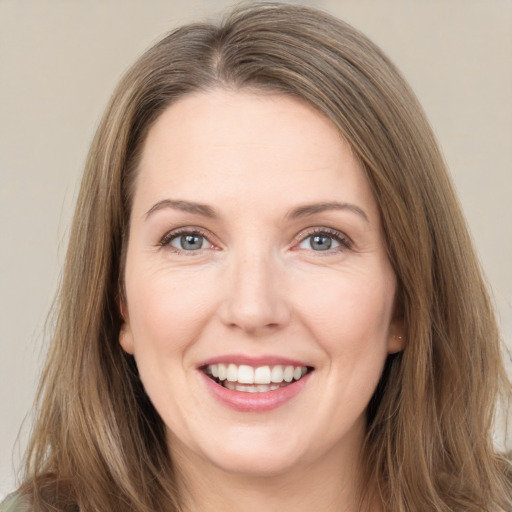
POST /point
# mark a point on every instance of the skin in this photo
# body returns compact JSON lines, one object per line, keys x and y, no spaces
{"x":257,"y":286}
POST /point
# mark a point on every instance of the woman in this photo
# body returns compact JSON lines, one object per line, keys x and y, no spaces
{"x":270,"y":295}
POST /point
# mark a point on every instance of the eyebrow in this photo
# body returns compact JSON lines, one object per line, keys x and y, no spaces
{"x":299,"y":212}
{"x":312,"y":209}
{"x":184,"y":206}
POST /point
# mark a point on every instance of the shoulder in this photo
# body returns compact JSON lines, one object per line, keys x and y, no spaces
{"x":13,"y":503}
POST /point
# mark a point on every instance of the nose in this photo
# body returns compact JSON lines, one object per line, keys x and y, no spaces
{"x":255,"y":300}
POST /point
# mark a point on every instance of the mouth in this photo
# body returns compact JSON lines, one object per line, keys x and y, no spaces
{"x":260,"y":379}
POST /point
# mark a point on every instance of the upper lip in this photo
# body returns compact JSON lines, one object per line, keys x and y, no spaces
{"x":263,"y":360}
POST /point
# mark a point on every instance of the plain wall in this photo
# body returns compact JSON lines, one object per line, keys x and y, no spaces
{"x":60,"y":60}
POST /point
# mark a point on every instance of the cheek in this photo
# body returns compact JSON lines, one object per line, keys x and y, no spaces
{"x":349,"y":314}
{"x":168,"y":309}
{"x":167,"y":313}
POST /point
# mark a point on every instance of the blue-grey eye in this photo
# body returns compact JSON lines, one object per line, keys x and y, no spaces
{"x":189,"y":242}
{"x":319,"y":242}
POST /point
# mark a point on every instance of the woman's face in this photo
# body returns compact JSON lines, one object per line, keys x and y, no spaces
{"x":259,"y":295}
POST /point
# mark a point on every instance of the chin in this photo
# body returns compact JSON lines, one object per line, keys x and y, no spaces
{"x":250,"y":453}
{"x":256,"y":464}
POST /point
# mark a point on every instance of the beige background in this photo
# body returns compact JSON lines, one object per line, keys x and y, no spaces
{"x":59,"y":61}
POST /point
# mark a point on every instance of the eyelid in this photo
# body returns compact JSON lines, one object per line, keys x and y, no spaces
{"x":344,"y":240}
{"x":165,"y":241}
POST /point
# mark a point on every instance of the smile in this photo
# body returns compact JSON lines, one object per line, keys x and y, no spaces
{"x":250,"y":379}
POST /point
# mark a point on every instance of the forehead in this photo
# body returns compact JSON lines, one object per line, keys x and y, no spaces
{"x":244,"y":146}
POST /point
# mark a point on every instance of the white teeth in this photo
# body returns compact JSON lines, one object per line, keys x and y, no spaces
{"x":252,"y":380}
{"x":277,"y":374}
{"x":232,"y":373}
{"x":260,"y":388}
{"x":288,"y":373}
{"x":245,"y":374}
{"x":222,"y":371}
{"x":262,"y":375}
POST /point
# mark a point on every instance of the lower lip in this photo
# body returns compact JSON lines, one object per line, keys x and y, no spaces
{"x":255,"y":402}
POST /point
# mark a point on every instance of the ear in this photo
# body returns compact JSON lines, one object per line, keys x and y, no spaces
{"x":396,"y":336}
{"x":125,"y":334}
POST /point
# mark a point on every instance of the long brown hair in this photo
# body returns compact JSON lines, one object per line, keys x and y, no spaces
{"x":99,"y":445}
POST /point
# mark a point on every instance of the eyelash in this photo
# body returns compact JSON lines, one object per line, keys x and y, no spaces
{"x":172,"y":235}
{"x":344,"y":241}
